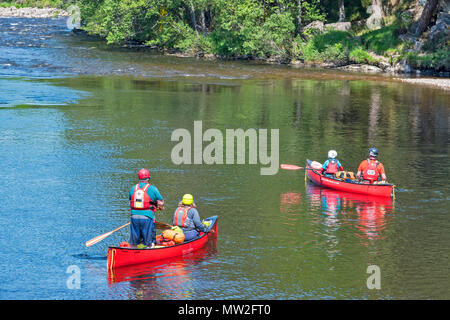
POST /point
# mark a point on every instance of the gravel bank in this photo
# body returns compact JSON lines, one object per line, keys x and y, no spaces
{"x":435,"y":82}
{"x":32,"y":12}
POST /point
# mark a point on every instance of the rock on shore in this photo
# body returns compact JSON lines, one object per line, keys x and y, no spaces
{"x":32,"y":12}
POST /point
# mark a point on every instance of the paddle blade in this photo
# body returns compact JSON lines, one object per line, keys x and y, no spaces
{"x":162,"y":225}
{"x":97,"y":239}
{"x":290,"y":167}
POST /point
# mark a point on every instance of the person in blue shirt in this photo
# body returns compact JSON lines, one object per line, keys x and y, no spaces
{"x":145,"y":199}
{"x":332,"y":165}
{"x":187,"y":218}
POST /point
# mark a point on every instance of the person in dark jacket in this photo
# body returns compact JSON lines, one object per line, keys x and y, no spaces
{"x":188,"y":219}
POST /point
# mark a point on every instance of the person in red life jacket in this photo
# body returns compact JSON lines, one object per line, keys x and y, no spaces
{"x":332,"y":165}
{"x":371,"y":169}
{"x":145,"y":199}
{"x":187,"y":218}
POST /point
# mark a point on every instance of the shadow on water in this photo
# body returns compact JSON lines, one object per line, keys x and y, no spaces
{"x":88,"y":257}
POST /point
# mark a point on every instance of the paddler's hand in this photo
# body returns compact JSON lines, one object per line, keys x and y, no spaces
{"x":160,"y":204}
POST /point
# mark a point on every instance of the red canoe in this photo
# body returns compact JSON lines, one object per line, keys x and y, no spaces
{"x":380,"y":190}
{"x":118,"y":256}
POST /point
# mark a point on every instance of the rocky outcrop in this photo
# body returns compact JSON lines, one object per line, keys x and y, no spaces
{"x":442,"y":25}
{"x":314,"y":27}
{"x":319,"y":26}
{"x":32,"y":12}
{"x":340,"y":26}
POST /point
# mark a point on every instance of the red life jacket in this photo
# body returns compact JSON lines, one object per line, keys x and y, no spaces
{"x":332,"y":166}
{"x":140,"y":200}
{"x":181,"y":219}
{"x":371,"y":172}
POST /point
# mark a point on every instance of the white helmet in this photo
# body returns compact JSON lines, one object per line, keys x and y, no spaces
{"x":332,"y":154}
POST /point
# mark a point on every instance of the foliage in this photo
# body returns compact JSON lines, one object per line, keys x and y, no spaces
{"x":386,"y":38}
{"x":359,"y":55}
{"x":253,"y":28}
{"x":439,"y":60}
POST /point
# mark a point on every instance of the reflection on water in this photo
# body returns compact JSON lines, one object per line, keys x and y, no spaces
{"x":367,"y":214}
{"x":316,"y":244}
{"x":166,"y":279}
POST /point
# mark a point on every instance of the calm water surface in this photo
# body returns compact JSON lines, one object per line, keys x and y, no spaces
{"x":78,"y":120}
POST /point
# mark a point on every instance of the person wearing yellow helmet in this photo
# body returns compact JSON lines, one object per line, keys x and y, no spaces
{"x":188,"y":219}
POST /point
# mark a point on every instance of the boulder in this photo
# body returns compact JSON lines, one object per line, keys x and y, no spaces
{"x":340,"y":26}
{"x":315,"y":25}
{"x":365,"y":68}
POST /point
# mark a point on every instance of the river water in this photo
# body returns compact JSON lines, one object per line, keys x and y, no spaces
{"x":78,"y":120}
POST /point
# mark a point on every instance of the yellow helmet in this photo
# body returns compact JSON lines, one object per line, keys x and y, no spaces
{"x":188,"y":199}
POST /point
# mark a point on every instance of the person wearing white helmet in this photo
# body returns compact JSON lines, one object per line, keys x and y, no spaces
{"x":332,"y":165}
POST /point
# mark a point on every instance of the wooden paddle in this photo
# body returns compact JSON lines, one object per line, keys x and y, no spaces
{"x":103,"y":236}
{"x":158,"y":225}
{"x":293,"y":167}
{"x":162,"y":225}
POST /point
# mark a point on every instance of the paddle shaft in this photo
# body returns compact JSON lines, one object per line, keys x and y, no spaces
{"x":158,"y":225}
{"x":294,"y":167}
{"x":103,"y":236}
{"x":162,"y":225}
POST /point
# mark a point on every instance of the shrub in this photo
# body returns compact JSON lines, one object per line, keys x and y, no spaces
{"x":439,"y":60}
{"x":359,"y":55}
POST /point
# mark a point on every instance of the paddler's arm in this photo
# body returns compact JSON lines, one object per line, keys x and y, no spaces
{"x":324,"y":166}
{"x":360,"y":169}
{"x":341,"y":168}
{"x":157,"y":198}
{"x":197,"y":222}
{"x":382,"y":172}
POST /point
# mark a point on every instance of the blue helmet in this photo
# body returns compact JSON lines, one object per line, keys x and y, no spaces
{"x":373,"y":152}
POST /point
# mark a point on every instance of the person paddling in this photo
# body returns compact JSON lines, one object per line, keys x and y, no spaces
{"x":371,"y":169}
{"x":332,"y":165}
{"x":187,"y":218}
{"x":144,"y":199}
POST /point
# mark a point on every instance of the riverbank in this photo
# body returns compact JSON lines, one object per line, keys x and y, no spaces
{"x":438,"y":80}
{"x":32,"y":12}
{"x":380,"y":66}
